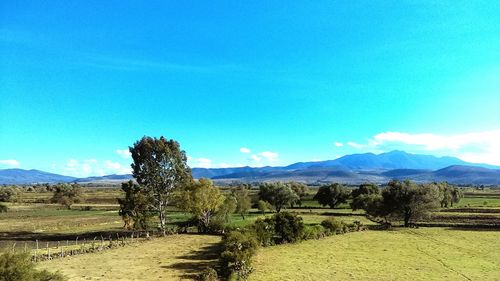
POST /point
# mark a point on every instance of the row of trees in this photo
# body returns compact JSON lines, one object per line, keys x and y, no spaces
{"x":400,"y":200}
{"x":404,"y":201}
{"x":64,"y":194}
{"x":163,"y":178}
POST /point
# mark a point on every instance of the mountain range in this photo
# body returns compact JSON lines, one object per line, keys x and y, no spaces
{"x":349,"y":169}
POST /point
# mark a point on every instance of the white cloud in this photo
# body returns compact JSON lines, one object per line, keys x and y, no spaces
{"x":269,"y":155}
{"x":207,"y":163}
{"x":124,"y":153}
{"x":91,"y":167}
{"x":200,"y":162}
{"x":245,"y":150}
{"x":255,"y":158}
{"x":475,"y":147}
{"x":112,"y":165}
{"x":338,"y":144}
{"x":355,"y":145}
{"x":436,"y":142}
{"x":10,"y":163}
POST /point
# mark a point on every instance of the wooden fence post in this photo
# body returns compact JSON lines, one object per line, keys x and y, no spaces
{"x":36,"y":251}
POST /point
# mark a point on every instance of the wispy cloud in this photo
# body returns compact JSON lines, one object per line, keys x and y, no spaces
{"x":121,"y":63}
{"x":200,"y":162}
{"x":124,"y":153}
{"x":269,"y":155}
{"x":255,"y":158}
{"x":476,"y":147}
{"x":355,"y":145}
{"x":91,"y":167}
{"x":338,"y":144}
{"x":245,"y":150}
{"x":203,"y":162}
{"x":10,"y":163}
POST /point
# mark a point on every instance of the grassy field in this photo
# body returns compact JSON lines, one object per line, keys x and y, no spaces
{"x":416,"y":254}
{"x":176,"y":257}
{"x":419,"y":254}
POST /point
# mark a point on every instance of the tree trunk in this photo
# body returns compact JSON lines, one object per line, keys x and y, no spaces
{"x":163,"y":219}
{"x":407,"y":217}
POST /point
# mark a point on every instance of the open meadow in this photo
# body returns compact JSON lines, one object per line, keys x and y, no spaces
{"x":402,"y":254}
{"x":176,"y":257}
{"x":461,"y":242}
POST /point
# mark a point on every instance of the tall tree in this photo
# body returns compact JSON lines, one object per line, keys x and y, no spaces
{"x":203,"y":200}
{"x":135,"y":208}
{"x":300,"y":189}
{"x":67,"y":194}
{"x":331,"y":195}
{"x":408,"y":201}
{"x":277,"y":194}
{"x":243,"y":200}
{"x":161,"y":167}
{"x":363,"y":195}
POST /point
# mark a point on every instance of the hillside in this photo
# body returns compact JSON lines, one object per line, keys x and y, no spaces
{"x":20,"y":176}
{"x":350,"y":169}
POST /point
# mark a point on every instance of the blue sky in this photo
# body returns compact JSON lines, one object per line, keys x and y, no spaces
{"x":246,"y":82}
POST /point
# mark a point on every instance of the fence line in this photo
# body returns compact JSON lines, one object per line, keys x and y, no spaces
{"x":81,"y":246}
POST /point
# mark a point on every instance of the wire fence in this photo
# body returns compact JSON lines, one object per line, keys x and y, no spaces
{"x":49,"y":250}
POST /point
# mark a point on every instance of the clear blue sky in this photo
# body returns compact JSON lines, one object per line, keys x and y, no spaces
{"x":282,"y":82}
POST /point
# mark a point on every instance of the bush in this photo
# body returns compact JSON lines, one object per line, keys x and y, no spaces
{"x":236,"y":256}
{"x":218,"y":225}
{"x":209,"y":274}
{"x":334,"y":226}
{"x":18,"y":267}
{"x":314,"y":232}
{"x":7,"y":194}
{"x":287,"y":227}
{"x":278,"y":229}
{"x":264,"y":231}
{"x":358,"y":226}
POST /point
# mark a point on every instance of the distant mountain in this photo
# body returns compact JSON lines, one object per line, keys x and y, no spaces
{"x":390,"y":160}
{"x":467,"y":174}
{"x":350,"y":169}
{"x":20,"y":176}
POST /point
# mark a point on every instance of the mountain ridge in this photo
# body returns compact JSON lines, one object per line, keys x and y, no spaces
{"x":353,"y":168}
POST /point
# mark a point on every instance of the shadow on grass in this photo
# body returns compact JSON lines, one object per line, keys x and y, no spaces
{"x":195,"y":262}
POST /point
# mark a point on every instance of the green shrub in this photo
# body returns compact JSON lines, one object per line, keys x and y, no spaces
{"x":314,"y":232}
{"x":288,"y":227}
{"x":18,"y":267}
{"x":281,"y":228}
{"x":264,"y":231}
{"x":209,"y":274}
{"x":263,"y":206}
{"x":7,"y":194}
{"x":358,"y":226}
{"x":334,"y":226}
{"x":237,"y":253}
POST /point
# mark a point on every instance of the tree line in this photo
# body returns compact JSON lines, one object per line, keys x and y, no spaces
{"x":164,"y":179}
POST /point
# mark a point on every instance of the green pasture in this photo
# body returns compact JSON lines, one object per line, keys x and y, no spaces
{"x":402,"y":254}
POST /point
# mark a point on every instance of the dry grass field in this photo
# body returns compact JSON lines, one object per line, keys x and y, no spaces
{"x":176,"y":257}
